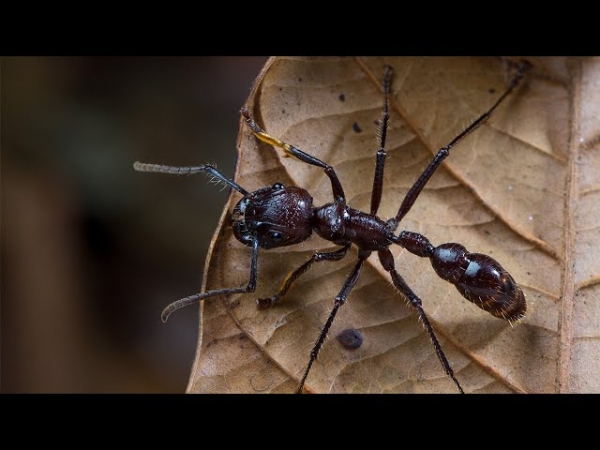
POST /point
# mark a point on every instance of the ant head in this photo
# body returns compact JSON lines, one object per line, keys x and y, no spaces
{"x":276,"y":216}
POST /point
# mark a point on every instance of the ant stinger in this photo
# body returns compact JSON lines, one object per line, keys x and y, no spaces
{"x":278,"y":215}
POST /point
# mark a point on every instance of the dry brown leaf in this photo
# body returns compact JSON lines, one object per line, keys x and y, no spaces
{"x":524,"y":188}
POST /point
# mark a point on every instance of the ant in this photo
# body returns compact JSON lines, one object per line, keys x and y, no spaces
{"x":278,"y":216}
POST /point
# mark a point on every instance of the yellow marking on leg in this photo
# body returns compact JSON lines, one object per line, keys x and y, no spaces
{"x":285,"y":285}
{"x":273,"y":141}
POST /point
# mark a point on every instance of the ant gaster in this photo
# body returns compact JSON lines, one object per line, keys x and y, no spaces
{"x":278,"y":215}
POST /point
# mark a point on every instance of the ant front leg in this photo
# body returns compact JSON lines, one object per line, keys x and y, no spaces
{"x":336,"y":186}
{"x":294,"y":275}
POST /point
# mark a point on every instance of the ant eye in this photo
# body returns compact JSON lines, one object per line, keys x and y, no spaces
{"x":276,"y":236}
{"x":278,"y":186}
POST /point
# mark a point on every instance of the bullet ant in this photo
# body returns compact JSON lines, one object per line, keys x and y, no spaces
{"x":278,"y":216}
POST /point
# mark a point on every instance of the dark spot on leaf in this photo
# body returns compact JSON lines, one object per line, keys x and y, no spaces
{"x":342,"y":98}
{"x":356,"y":128}
{"x":492,"y":91}
{"x":350,"y":339}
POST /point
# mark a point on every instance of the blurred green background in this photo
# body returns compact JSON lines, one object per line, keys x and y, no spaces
{"x":92,"y":251}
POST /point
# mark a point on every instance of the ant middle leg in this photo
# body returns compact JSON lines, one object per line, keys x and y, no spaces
{"x":295,"y":274}
{"x":340,"y":299}
{"x":377,"y":191}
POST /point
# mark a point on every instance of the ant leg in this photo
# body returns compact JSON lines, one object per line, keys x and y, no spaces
{"x":294,"y":275}
{"x":443,"y":153}
{"x":290,"y":150}
{"x":250,"y":287}
{"x":387,"y":260}
{"x":144,"y":167}
{"x":340,"y":299}
{"x":381,"y":153}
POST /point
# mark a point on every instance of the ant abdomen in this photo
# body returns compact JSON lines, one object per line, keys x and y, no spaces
{"x":478,"y":277}
{"x":481,"y":280}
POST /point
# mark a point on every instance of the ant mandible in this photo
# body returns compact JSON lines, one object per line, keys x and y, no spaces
{"x":278,"y":216}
